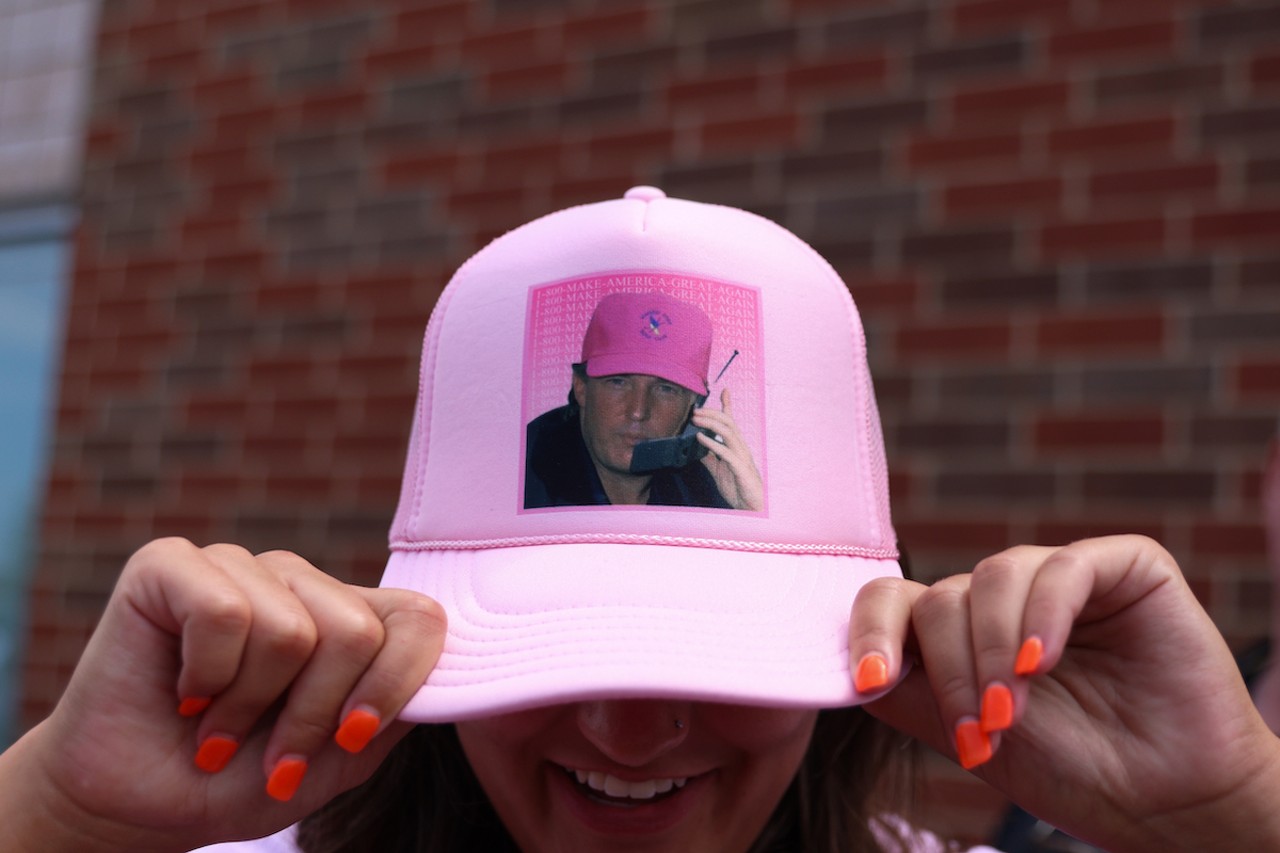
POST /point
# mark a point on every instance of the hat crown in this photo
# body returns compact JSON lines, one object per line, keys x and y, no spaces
{"x":501,"y":341}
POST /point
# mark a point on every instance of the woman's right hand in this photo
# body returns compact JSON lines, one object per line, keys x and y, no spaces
{"x":266,"y":655}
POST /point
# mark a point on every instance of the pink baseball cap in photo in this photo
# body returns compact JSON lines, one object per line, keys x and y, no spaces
{"x":563,"y":603}
{"x":651,"y":333}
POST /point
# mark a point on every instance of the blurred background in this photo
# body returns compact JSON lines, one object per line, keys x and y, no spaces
{"x":223,"y":224}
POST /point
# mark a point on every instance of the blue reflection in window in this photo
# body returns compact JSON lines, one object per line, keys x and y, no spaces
{"x":32,"y":276}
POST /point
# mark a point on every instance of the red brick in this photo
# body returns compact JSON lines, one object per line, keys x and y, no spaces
{"x":1098,"y":238}
{"x":923,"y":340}
{"x":643,"y":144}
{"x":723,"y":92}
{"x":1249,"y":226}
{"x":837,"y":74}
{"x":921,"y":534}
{"x":988,"y":16}
{"x":419,"y":165}
{"x":329,"y":105}
{"x":1264,"y":71}
{"x":942,"y":152}
{"x":160,"y":35}
{"x":412,"y":51}
{"x":228,"y":90}
{"x":1167,"y":181}
{"x":999,"y":99}
{"x":239,"y":15}
{"x":1061,"y":531}
{"x":1128,"y":42}
{"x":569,"y":191}
{"x":876,"y":294}
{"x":1128,"y":432}
{"x":508,"y":47}
{"x":1228,"y":539}
{"x":181,"y":61}
{"x":506,"y":159}
{"x":1002,"y":197}
{"x":236,"y":195}
{"x":219,"y":164}
{"x":770,"y":132}
{"x":516,"y":81}
{"x":1155,"y":134}
{"x":1258,"y":378}
{"x":435,"y":18}
{"x":597,"y":29}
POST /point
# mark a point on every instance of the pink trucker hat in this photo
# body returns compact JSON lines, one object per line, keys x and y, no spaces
{"x":565,"y":576}
{"x":651,"y":333}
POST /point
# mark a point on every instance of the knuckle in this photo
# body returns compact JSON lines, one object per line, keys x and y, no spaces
{"x":305,"y":731}
{"x":158,"y":553}
{"x":290,"y":635}
{"x":226,"y":551}
{"x":941,"y":598}
{"x":425,"y":613}
{"x":361,"y":636}
{"x":283,"y":559}
{"x":996,"y":569}
{"x":953,"y":690}
{"x":226,"y":612}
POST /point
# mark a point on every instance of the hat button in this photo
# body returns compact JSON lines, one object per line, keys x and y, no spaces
{"x":645,"y":193}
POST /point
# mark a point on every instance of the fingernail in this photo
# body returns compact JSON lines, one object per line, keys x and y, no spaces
{"x":1029,"y":657}
{"x":872,"y":674}
{"x":973,"y":746}
{"x":193,"y":705}
{"x":215,"y":752}
{"x":285,"y":778}
{"x":357,"y":730}
{"x":997,"y":708}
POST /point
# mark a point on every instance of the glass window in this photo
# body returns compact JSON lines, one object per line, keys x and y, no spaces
{"x":33,"y":271}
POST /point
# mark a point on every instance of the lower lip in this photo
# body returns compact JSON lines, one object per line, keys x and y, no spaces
{"x":626,"y":821}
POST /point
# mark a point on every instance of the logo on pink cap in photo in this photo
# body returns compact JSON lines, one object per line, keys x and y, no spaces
{"x":674,"y":340}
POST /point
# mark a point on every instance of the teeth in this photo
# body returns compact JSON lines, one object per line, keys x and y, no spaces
{"x":612,"y":786}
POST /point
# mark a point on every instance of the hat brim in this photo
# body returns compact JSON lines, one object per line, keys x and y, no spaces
{"x":546,"y":624}
{"x":616,"y":363}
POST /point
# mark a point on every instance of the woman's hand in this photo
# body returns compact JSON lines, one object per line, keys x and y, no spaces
{"x":207,"y":702}
{"x":1087,"y":683}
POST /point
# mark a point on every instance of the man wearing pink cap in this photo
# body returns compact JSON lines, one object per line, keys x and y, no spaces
{"x":643,"y":377}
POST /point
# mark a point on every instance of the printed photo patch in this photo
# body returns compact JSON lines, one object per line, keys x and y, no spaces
{"x":643,"y":389}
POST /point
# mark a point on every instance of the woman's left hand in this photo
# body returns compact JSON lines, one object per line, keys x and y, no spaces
{"x":1129,"y":725}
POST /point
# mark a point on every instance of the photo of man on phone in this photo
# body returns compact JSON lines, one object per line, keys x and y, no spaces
{"x":635,"y":430}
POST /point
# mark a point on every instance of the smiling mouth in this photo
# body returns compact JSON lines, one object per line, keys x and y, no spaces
{"x":603,"y":786}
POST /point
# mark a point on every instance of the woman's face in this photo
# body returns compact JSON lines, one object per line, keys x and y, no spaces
{"x":622,"y":775}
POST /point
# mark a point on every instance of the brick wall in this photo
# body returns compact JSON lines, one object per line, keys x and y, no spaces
{"x":1061,"y":220}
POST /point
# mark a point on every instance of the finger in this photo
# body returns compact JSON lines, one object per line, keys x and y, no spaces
{"x":878,"y":628}
{"x":1086,"y":581}
{"x":349,"y":636}
{"x":997,"y":594}
{"x":943,"y":628}
{"x":184,"y":592}
{"x":415,"y":631}
{"x":724,"y":402}
{"x":726,"y":432}
{"x":281,"y":638}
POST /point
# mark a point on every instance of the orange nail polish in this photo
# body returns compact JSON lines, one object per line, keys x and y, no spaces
{"x":973,"y":746}
{"x":285,"y":778}
{"x":215,"y":752}
{"x":872,"y":674}
{"x":193,"y":705}
{"x":357,"y":730}
{"x":1029,"y":657}
{"x":997,"y":708}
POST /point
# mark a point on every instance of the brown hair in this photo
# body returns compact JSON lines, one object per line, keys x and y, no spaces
{"x":425,"y":798}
